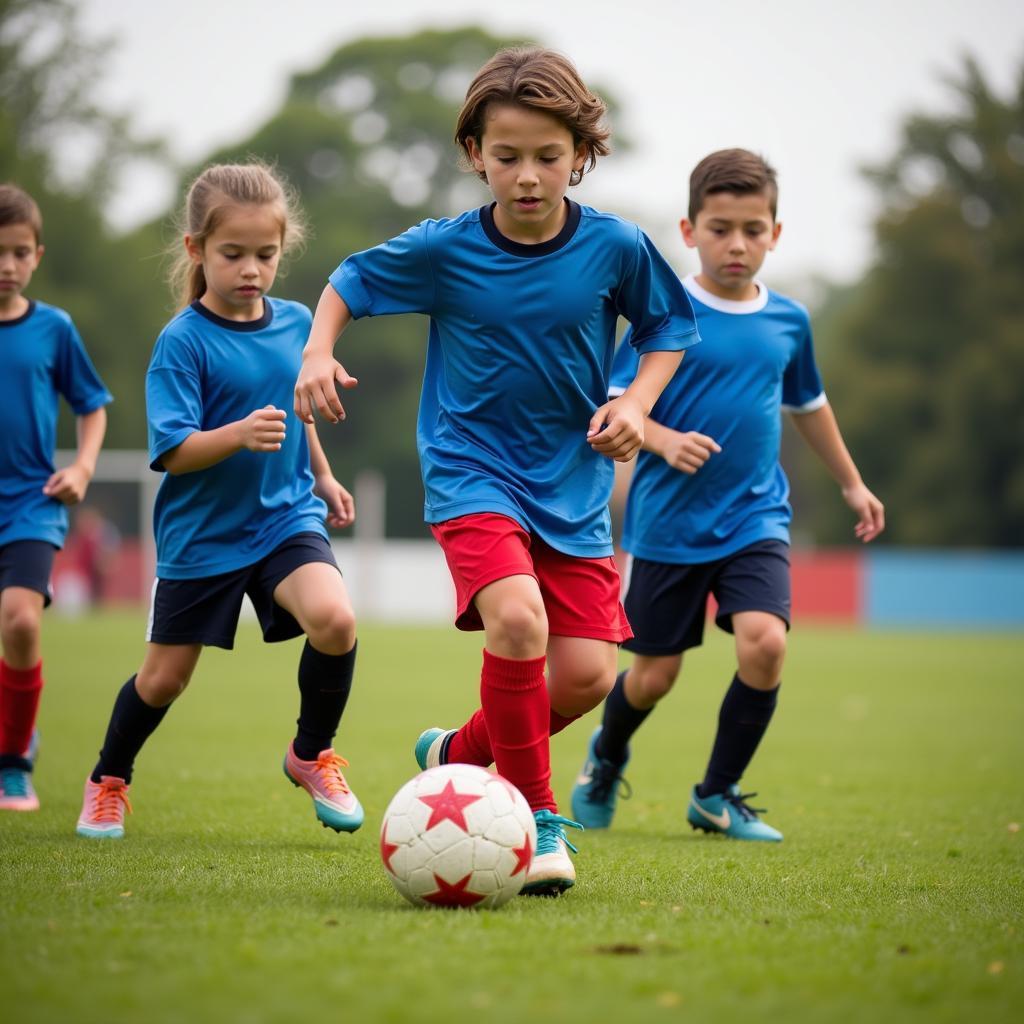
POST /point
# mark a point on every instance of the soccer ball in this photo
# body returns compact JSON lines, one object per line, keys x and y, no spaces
{"x":458,"y":836}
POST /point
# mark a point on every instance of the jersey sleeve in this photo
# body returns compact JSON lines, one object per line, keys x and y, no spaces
{"x":625,"y":363}
{"x":652,"y":298}
{"x":394,"y":277}
{"x":77,"y":379}
{"x":802,"y":390}
{"x":174,"y":398}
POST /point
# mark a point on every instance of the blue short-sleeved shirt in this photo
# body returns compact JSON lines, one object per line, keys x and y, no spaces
{"x":519,"y":351}
{"x":206,"y":372}
{"x":41,"y":358}
{"x":756,"y":358}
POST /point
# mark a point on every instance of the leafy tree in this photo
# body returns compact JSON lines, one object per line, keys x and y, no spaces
{"x":68,"y":153}
{"x":924,"y":358}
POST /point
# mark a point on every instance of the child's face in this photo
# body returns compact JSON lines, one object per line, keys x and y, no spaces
{"x":19,"y":256}
{"x":732,"y":235}
{"x":240,"y":259}
{"x":528,"y":157}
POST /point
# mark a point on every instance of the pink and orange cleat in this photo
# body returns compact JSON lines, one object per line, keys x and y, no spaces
{"x":335,"y":804}
{"x":103,"y":808}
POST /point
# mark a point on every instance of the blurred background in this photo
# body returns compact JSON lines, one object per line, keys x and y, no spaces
{"x":897,"y":130}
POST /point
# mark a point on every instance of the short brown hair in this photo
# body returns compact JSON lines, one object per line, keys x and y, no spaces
{"x":732,"y":170}
{"x":541,"y":80}
{"x":18,"y":207}
{"x":221,"y":186}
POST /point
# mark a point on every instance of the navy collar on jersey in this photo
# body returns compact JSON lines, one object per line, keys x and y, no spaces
{"x":572,"y":222}
{"x":20,"y":319}
{"x":237,"y":325}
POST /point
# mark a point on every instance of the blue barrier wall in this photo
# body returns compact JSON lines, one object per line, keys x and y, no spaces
{"x":944,"y":589}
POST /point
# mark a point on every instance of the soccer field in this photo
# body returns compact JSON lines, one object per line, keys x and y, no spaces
{"x":893,"y":767}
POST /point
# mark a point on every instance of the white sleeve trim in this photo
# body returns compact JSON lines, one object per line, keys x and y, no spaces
{"x":812,"y":406}
{"x":614,"y":391}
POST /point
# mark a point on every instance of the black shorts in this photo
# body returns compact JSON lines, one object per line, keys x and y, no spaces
{"x":28,"y":564}
{"x":667,"y":604}
{"x":206,"y":610}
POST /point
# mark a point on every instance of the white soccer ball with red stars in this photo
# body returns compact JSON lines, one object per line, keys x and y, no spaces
{"x":458,"y":836}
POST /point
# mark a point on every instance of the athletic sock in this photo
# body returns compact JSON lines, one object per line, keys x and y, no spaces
{"x":472,"y":745}
{"x":325,"y":681}
{"x":619,"y":723}
{"x":131,"y":723}
{"x":514,"y":701}
{"x":19,"y":702}
{"x":742,"y":721}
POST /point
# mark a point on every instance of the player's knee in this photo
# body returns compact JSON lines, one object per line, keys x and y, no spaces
{"x":652,"y":683}
{"x":19,"y":627}
{"x":766,"y":650}
{"x":332,"y":629}
{"x":519,"y":625}
{"x":161,"y":686}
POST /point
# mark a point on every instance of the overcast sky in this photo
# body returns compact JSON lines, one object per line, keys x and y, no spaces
{"x":819,"y":88}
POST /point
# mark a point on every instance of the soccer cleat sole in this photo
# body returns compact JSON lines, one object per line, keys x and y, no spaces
{"x":330,"y":818}
{"x":547,"y":887}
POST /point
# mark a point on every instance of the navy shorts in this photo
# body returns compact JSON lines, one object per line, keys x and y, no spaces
{"x":205,"y":610}
{"x":28,"y":564}
{"x":667,"y":604}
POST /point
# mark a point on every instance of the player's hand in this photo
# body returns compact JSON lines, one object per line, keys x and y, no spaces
{"x":688,"y":452}
{"x":263,"y":429}
{"x":317,"y":388}
{"x":870,"y":512}
{"x":341,"y":508}
{"x":617,"y":429}
{"x":68,"y":485}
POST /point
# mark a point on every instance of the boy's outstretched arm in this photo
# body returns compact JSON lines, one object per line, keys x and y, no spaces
{"x":316,"y":387}
{"x":820,"y":430}
{"x":617,"y":428}
{"x":68,"y":485}
{"x":341,"y":508}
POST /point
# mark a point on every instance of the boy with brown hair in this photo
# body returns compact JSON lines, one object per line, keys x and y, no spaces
{"x":708,"y":509}
{"x":41,"y":359}
{"x":516,"y":432}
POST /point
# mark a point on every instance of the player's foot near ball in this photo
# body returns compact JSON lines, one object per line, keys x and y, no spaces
{"x":597,"y":788}
{"x":432,"y":747}
{"x":16,"y":790}
{"x":103,"y":807}
{"x":551,"y":871}
{"x":335,"y":804}
{"x":729,"y":814}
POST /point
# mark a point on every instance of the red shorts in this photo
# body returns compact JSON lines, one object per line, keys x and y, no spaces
{"x":581,"y":595}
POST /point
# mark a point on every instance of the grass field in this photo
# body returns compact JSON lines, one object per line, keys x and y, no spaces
{"x":893,"y":767}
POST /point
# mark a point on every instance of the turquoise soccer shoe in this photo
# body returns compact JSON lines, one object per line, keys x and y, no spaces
{"x":597,"y":788}
{"x":729,"y":814}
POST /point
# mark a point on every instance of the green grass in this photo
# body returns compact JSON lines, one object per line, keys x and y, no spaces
{"x":893,"y":768}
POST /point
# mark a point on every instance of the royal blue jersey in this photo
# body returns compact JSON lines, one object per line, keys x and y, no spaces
{"x":756,"y":358}
{"x":41,"y":358}
{"x":206,"y":372}
{"x":518,"y":356}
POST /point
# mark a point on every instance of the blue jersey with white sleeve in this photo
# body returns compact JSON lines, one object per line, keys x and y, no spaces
{"x":41,"y":359}
{"x":206,"y":372}
{"x":519,"y":353}
{"x":756,"y":359}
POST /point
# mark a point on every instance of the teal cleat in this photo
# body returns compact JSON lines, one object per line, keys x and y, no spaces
{"x":432,"y":746}
{"x":597,"y":788}
{"x":551,"y":871}
{"x":729,"y":814}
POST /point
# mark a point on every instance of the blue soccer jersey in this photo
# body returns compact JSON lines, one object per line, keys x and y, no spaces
{"x":756,"y":358}
{"x":41,"y":358}
{"x":206,"y":372}
{"x":518,"y":356}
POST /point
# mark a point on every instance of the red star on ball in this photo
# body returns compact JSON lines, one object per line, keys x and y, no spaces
{"x":524,"y":854}
{"x":453,"y":895}
{"x":387,"y":849}
{"x":448,"y":806}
